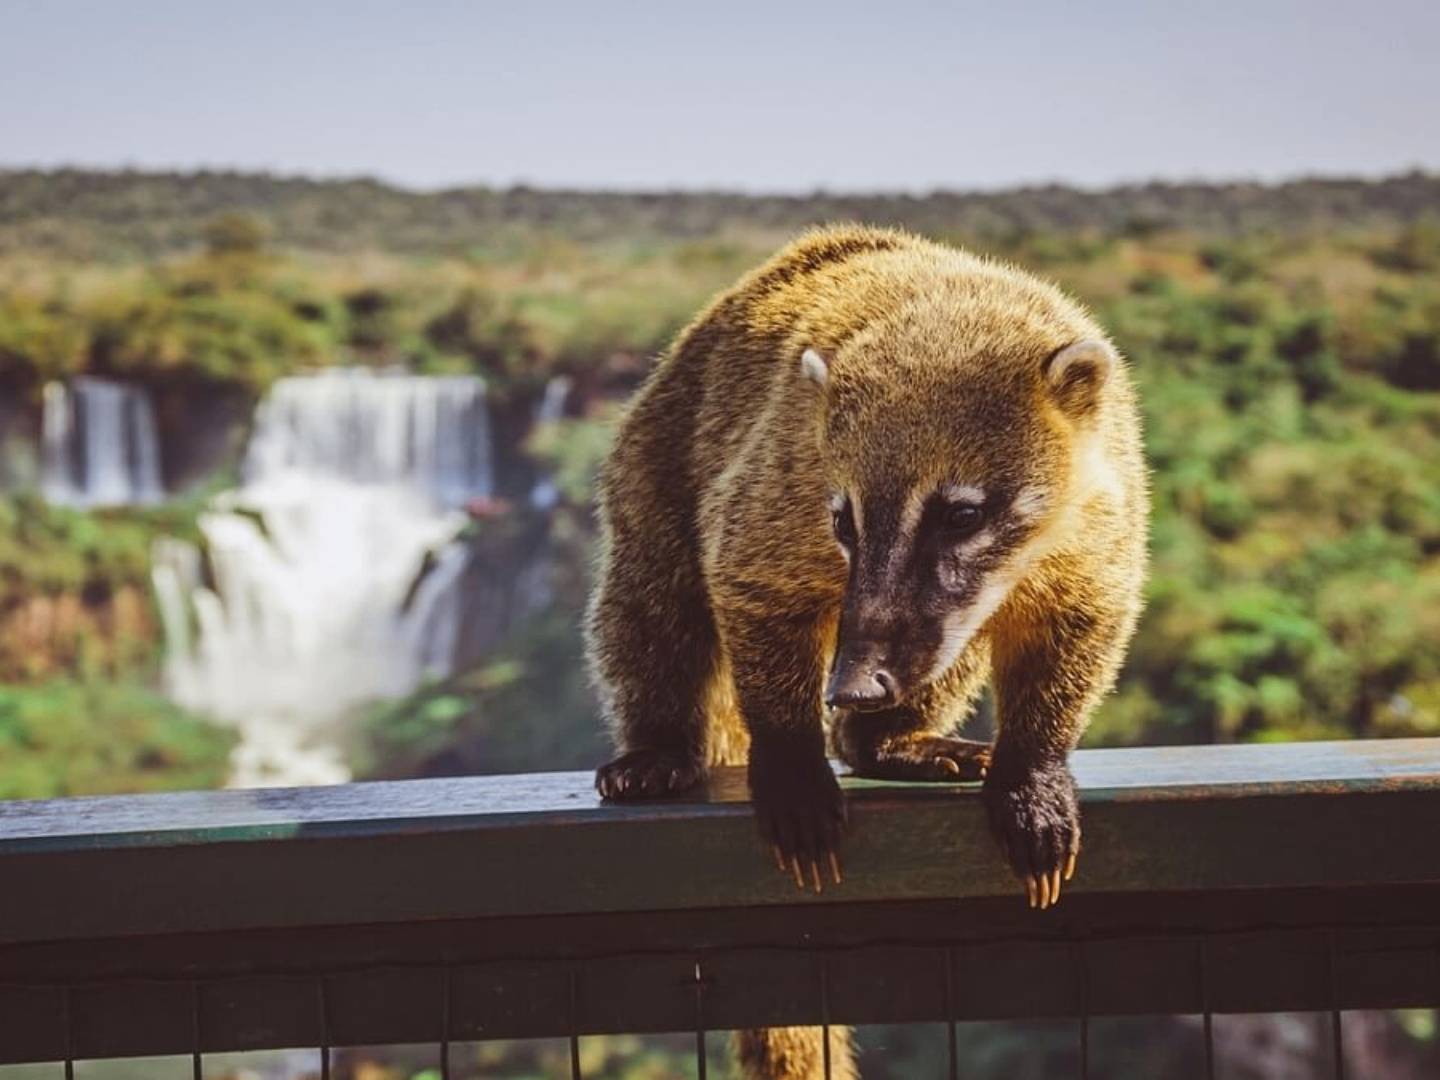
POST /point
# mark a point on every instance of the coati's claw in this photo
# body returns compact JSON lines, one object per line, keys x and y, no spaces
{"x":800,"y":811}
{"x":927,"y":757}
{"x":1036,"y":820}
{"x":647,"y":773}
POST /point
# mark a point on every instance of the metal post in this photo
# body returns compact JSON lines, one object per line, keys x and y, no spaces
{"x":1083,"y":975}
{"x":1337,"y":1038}
{"x":825,"y":1014}
{"x":700,"y":1063}
{"x":69,"y":1035}
{"x":1208,"y":1018}
{"x":197,"y":1063}
{"x":575,"y":1025}
{"x":445,"y":1024}
{"x":324,"y":1029}
{"x":950,"y":1014}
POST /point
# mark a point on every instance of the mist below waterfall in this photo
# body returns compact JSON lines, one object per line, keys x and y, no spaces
{"x":332,"y":568}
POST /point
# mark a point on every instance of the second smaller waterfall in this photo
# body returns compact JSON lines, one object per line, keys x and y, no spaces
{"x":99,"y":446}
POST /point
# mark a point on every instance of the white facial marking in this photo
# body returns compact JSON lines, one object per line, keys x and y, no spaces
{"x":910,"y":517}
{"x":977,"y":543}
{"x":857,"y":513}
{"x":968,"y":494}
{"x":814,"y":368}
{"x":1030,"y":503}
{"x":962,"y":626}
{"x":837,"y":502}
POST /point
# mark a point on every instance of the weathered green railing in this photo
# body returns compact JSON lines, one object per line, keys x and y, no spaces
{"x":1214,"y":879}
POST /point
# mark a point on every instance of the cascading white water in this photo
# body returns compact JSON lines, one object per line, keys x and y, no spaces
{"x":332,"y":565}
{"x":544,"y":495}
{"x":99,"y":446}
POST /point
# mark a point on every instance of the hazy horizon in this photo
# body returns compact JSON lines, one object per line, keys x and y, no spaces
{"x":342,"y":177}
{"x":746,"y":98}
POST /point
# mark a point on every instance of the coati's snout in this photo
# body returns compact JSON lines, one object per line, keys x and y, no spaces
{"x":860,"y":680}
{"x":924,"y":575}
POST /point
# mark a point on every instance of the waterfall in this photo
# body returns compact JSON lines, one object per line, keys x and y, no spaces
{"x":544,"y":495}
{"x":331,"y":568}
{"x":377,"y":429}
{"x":98,"y":445}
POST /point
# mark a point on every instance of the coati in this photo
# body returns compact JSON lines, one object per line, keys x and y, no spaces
{"x":874,"y":474}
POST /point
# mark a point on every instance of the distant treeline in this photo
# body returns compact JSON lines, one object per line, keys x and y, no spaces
{"x":124,"y":214}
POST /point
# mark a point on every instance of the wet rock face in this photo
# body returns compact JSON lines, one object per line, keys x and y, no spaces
{"x":19,"y":442}
{"x":512,"y":416}
{"x":201,"y":429}
{"x":507,"y":578}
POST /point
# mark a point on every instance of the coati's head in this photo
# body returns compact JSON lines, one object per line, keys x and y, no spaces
{"x":954,"y":461}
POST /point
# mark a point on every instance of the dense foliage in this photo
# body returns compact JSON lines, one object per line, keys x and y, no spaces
{"x":1294,"y":432}
{"x":242,"y":318}
{"x":85,"y":738}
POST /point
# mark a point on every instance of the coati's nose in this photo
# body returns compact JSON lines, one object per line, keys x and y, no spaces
{"x":860,"y":686}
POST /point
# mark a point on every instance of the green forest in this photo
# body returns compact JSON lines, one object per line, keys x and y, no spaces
{"x":1286,"y":340}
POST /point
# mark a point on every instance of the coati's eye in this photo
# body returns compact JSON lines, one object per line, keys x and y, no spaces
{"x":959,"y":520}
{"x":843,"y":519}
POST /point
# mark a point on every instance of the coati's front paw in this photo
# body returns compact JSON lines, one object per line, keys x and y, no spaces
{"x":1036,"y":818}
{"x":800,"y":810}
{"x":927,"y":757}
{"x":646,"y":773}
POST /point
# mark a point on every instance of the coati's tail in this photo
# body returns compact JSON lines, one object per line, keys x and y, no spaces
{"x":794,"y":1053}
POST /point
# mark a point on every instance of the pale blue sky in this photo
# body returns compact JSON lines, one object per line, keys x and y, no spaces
{"x":761,"y":96}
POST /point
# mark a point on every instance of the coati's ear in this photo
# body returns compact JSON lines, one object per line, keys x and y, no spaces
{"x":1077,"y":373}
{"x":814,"y":367}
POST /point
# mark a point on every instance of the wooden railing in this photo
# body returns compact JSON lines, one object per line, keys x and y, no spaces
{"x":1214,"y":879}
